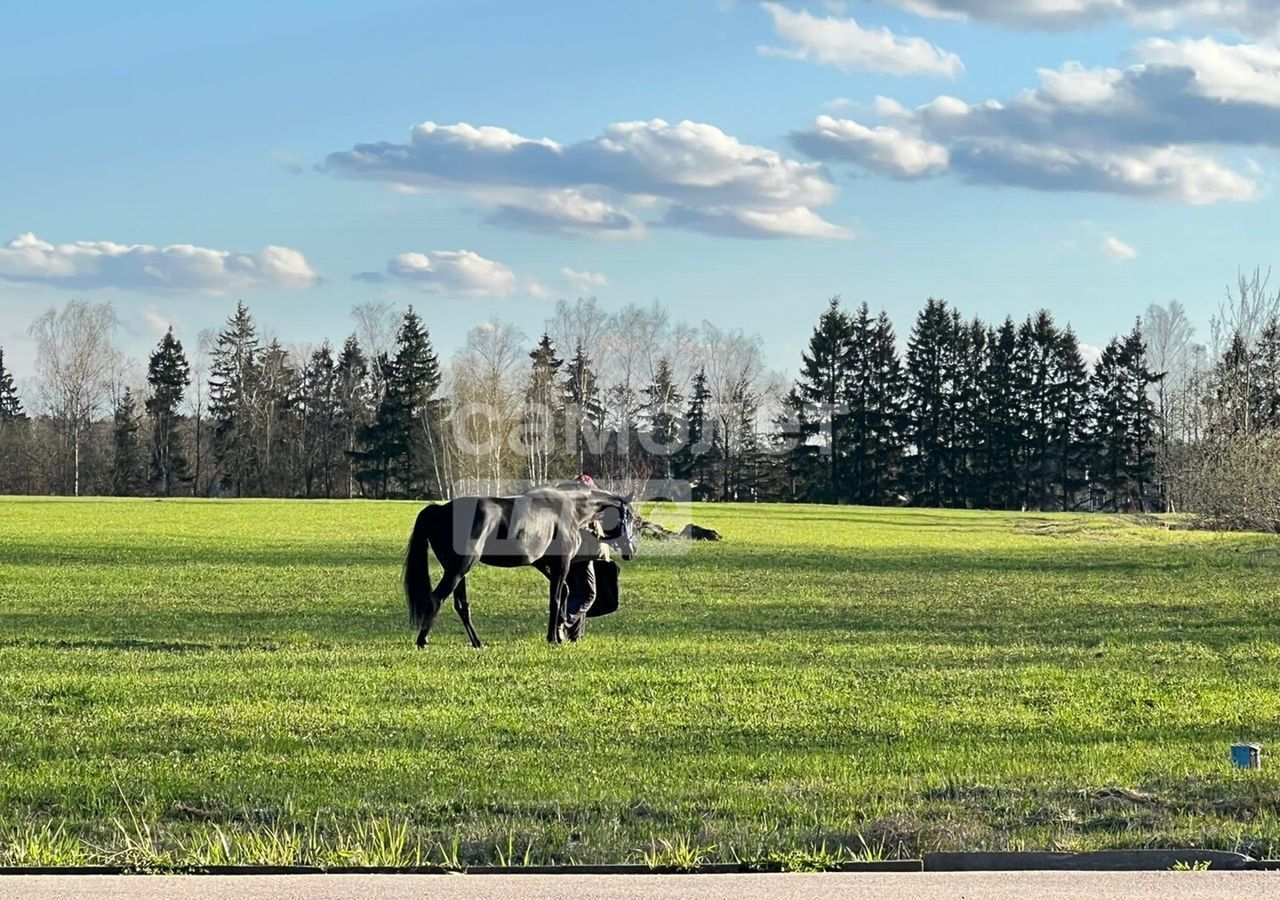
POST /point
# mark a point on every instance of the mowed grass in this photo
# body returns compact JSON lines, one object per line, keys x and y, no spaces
{"x":187,"y":682}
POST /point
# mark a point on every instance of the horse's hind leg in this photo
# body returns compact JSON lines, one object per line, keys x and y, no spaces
{"x":448,"y":584}
{"x":464,"y":612}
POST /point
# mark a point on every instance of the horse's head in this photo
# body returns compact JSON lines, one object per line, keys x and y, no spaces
{"x":621,"y":526}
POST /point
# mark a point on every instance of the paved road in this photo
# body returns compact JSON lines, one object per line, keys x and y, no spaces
{"x":864,"y":886}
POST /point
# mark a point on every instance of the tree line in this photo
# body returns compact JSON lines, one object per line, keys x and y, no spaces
{"x":962,"y":413}
{"x":1008,"y":416}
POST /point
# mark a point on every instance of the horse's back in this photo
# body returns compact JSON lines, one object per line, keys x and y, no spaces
{"x":505,"y":531}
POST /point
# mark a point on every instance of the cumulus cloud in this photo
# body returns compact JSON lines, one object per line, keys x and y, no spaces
{"x":699,"y":174}
{"x":584,"y":282}
{"x":88,"y":265}
{"x":1146,"y":130}
{"x":458,"y":273}
{"x":846,"y":45}
{"x":882,"y":149}
{"x":567,"y":211}
{"x":1245,"y":16}
{"x":1118,"y":249}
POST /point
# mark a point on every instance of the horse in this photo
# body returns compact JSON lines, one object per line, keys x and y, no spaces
{"x":540,"y":528}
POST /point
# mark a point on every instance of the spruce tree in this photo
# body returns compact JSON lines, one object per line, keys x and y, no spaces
{"x":1070,"y":429}
{"x":321,"y":412}
{"x":544,"y":410}
{"x":384,"y":439}
{"x":883,"y":399}
{"x":401,"y":444}
{"x":1109,"y":435}
{"x":870,"y":432}
{"x":352,"y":379}
{"x":1039,"y":341}
{"x":1004,"y":393}
{"x":279,"y":423}
{"x":1139,"y":415}
{"x":414,"y":379}
{"x":695,"y":460}
{"x":583,"y":409}
{"x":169,"y":376}
{"x":662,"y":417}
{"x":931,"y":361}
{"x":234,"y":383}
{"x":822,"y":392}
{"x":127,"y":473}
{"x":10,"y":405}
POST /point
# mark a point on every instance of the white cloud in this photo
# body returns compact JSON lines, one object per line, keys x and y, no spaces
{"x":1162,"y":174}
{"x":1149,"y":130}
{"x":584,"y":282}
{"x":1090,"y":353}
{"x":882,"y":149}
{"x":846,"y":45}
{"x":157,"y":322}
{"x":1234,"y":73}
{"x":458,"y":273}
{"x":1245,"y":16}
{"x":1118,"y":249}
{"x":588,"y":187}
{"x":176,"y":268}
{"x":747,"y":223}
{"x":567,"y":211}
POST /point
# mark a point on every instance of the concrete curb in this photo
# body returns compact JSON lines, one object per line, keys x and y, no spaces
{"x":1094,"y":861}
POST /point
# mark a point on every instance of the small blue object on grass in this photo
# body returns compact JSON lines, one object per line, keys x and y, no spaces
{"x":1246,"y":756}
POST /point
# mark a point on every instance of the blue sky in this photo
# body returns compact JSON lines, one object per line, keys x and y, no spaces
{"x":688,"y":160}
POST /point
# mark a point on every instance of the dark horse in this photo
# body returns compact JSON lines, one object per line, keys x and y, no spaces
{"x":541,"y":528}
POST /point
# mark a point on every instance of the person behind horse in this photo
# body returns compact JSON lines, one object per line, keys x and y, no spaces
{"x":582,"y":572}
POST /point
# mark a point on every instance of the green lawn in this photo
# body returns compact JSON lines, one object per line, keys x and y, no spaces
{"x":186,"y":682}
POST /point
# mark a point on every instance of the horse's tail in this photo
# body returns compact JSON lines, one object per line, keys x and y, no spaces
{"x":417,"y":566}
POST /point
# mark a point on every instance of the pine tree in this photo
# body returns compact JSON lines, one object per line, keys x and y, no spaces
{"x":544,"y":410}
{"x":1004,"y":394}
{"x":234,"y":384}
{"x":353,"y":388}
{"x":931,"y":363}
{"x":883,"y":398}
{"x":127,"y":478}
{"x":322,"y":435}
{"x":871,"y":394}
{"x":969,"y":449}
{"x":1038,"y":343}
{"x":278,"y":422}
{"x":1110,"y":435}
{"x":821,"y":394}
{"x":384,"y":440}
{"x":169,"y":376}
{"x":584,"y":410}
{"x":662,"y":418}
{"x":695,"y":460}
{"x":402,"y":445}
{"x":415,"y":377}
{"x":10,"y":405}
{"x":1139,"y":415}
{"x":1070,"y":430}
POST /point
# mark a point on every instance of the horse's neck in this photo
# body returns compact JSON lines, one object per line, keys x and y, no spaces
{"x":589,"y":507}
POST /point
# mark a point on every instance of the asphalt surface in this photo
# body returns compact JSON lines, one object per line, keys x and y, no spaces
{"x":864,"y":886}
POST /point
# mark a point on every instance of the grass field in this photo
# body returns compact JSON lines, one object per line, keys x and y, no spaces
{"x":205,"y":682}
